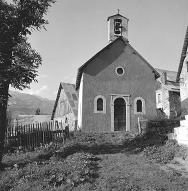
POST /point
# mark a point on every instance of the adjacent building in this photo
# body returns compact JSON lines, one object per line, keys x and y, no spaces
{"x":168,"y":95}
{"x":181,"y":133}
{"x":65,"y":109}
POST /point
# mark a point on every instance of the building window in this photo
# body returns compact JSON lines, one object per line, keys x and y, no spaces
{"x":159,"y":98}
{"x":139,"y":105}
{"x":120,"y":71}
{"x":99,"y":104}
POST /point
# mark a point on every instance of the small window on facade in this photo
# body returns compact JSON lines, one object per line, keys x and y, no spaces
{"x":159,"y":98}
{"x":99,"y":104}
{"x":120,"y":71}
{"x":139,"y":105}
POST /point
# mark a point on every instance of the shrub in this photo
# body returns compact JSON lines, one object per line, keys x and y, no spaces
{"x":162,"y":154}
{"x":76,"y":169}
{"x":162,"y":126}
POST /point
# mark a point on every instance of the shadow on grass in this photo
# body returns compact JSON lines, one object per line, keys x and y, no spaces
{"x":132,"y":146}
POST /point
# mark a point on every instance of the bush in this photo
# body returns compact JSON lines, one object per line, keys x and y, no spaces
{"x":76,"y":169}
{"x":162,"y":154}
{"x":162,"y":126}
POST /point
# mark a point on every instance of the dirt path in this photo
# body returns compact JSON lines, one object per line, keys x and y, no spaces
{"x":121,"y":171}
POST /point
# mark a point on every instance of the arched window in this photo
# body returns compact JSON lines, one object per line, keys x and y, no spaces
{"x":99,"y":104}
{"x":139,"y":105}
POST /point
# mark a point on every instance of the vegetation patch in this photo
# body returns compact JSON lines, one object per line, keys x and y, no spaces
{"x":76,"y":169}
{"x":162,"y":154}
{"x":108,"y":161}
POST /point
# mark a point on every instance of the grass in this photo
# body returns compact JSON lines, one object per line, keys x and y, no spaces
{"x":115,"y":161}
{"x":47,"y":175}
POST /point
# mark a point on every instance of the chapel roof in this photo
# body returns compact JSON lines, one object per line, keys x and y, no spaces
{"x":72,"y":97}
{"x":82,"y":68}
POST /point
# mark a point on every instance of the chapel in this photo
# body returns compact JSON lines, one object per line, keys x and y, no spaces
{"x":117,"y":86}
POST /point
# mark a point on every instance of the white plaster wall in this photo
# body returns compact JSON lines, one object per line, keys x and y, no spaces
{"x":184,"y":81}
{"x":165,"y":101}
{"x":80,"y":102}
{"x":159,"y":105}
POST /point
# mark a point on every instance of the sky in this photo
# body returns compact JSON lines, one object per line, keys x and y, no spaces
{"x":77,"y":30}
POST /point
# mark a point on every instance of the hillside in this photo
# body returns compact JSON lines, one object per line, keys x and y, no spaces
{"x":26,"y":104}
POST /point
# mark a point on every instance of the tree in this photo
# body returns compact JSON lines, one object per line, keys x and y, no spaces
{"x":37,"y":112}
{"x":18,"y":61}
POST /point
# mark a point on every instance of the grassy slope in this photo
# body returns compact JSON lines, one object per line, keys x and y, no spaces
{"x":96,"y":162}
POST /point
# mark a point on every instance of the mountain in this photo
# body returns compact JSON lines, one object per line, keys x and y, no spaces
{"x":26,"y":104}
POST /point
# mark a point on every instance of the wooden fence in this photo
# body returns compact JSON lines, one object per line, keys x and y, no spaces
{"x":33,"y":135}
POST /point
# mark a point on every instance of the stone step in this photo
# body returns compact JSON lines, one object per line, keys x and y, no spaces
{"x":181,"y":135}
{"x":184,"y":123}
{"x":186,"y":117}
{"x":183,"y":142}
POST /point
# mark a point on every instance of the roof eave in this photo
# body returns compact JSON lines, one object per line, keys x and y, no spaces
{"x":117,"y":15}
{"x":183,"y":55}
{"x":56,"y":101}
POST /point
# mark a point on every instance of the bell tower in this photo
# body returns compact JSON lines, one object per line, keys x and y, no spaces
{"x":117,"y":26}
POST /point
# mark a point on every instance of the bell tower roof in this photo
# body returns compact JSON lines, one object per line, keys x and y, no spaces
{"x":116,"y":15}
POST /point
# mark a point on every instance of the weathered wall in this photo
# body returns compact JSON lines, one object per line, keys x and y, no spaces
{"x":100,"y":78}
{"x":80,"y":102}
{"x":175,"y":104}
{"x":63,"y":111}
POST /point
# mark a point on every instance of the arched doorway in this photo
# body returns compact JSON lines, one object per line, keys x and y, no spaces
{"x":119,"y":114}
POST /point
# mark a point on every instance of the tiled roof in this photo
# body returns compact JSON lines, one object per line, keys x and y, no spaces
{"x":171,"y":83}
{"x":171,"y":75}
{"x":172,"y":86}
{"x":72,"y":97}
